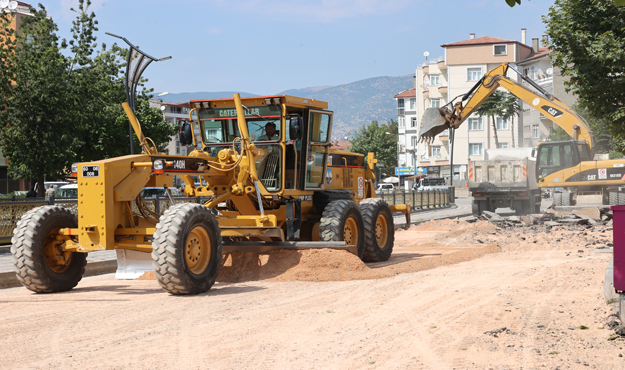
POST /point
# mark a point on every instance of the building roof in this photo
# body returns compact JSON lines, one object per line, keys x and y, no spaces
{"x":541,"y":53}
{"x":484,"y":40}
{"x":407,"y":93}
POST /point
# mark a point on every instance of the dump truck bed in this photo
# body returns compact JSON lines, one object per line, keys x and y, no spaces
{"x":503,"y":175}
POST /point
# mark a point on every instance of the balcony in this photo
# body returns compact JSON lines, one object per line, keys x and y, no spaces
{"x":443,"y":90}
{"x":441,"y":64}
{"x":400,"y":111}
{"x":426,"y":69}
{"x":426,"y":93}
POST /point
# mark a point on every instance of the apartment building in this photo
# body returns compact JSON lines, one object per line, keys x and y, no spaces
{"x":407,"y":137}
{"x":440,"y":80}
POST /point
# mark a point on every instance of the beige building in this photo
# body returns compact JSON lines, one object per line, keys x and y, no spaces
{"x":463,"y":64}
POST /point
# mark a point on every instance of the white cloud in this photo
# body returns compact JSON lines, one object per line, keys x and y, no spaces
{"x":314,"y":10}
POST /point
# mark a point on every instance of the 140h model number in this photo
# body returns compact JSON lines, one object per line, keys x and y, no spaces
{"x":90,"y":171}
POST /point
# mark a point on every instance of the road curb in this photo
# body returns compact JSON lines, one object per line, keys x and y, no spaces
{"x":9,"y":280}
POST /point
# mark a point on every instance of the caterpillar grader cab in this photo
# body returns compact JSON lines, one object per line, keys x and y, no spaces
{"x":271,"y":180}
{"x":567,"y":165}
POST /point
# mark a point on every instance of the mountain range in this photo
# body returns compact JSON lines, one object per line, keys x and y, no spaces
{"x":353,"y":104}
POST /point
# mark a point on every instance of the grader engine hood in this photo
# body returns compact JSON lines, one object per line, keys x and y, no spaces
{"x":105,"y":191}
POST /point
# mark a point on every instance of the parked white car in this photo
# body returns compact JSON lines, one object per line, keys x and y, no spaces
{"x":67,"y":191}
{"x":385,"y":187}
{"x":431,"y":183}
{"x":152,"y":192}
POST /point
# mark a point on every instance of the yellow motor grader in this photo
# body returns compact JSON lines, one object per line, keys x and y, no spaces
{"x":272,"y":181}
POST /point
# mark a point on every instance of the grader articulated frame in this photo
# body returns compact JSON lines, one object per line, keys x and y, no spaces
{"x":272,"y":181}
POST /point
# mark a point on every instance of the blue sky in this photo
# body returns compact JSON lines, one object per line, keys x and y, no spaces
{"x":268,"y":46}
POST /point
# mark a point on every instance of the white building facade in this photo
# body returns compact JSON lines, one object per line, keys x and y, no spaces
{"x":452,"y":75}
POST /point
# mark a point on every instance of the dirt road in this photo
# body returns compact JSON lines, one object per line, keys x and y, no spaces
{"x":430,"y":307}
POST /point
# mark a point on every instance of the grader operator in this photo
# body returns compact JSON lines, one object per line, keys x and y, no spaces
{"x":268,"y":172}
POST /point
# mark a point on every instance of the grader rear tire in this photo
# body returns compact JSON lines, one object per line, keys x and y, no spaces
{"x":187,"y":249}
{"x":379,"y":229}
{"x":40,"y":263}
{"x":341,"y":221}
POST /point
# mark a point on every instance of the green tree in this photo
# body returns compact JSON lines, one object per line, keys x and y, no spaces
{"x":587,"y":42}
{"x":374,"y":138}
{"x":511,"y":108}
{"x":493,"y":106}
{"x":63,"y":109}
{"x":37,"y":134}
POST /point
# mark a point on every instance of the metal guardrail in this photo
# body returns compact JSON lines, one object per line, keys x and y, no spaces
{"x":430,"y":199}
{"x":12,"y":209}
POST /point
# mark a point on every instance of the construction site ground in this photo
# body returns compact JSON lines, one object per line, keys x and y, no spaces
{"x":454,"y":295}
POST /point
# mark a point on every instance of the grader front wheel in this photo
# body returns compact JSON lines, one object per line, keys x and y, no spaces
{"x":187,"y":249}
{"x":341,"y":221}
{"x":379,"y":230}
{"x":41,"y":264}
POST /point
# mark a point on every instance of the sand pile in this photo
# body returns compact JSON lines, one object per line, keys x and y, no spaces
{"x":421,"y":247}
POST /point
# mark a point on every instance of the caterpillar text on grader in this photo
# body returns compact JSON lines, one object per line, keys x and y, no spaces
{"x":272,"y":181}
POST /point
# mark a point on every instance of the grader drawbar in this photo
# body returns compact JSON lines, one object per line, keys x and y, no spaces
{"x":272,"y":181}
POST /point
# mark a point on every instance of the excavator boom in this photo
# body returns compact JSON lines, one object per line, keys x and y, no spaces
{"x":436,"y":120}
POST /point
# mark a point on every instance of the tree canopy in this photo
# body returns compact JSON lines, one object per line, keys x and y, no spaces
{"x":587,"y":42}
{"x":62,"y":100}
{"x":374,"y":138}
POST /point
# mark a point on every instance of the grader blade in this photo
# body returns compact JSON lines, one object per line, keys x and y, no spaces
{"x":433,"y":122}
{"x":132,"y":264}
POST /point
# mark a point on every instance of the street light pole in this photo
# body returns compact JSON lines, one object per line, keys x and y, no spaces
{"x":136,"y":63}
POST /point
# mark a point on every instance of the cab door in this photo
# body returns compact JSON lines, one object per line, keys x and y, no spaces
{"x":318,"y":144}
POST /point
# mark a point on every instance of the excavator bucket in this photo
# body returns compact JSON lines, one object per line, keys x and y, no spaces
{"x":433,"y":122}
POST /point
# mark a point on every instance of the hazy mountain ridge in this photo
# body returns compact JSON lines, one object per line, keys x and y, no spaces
{"x":353,"y":104}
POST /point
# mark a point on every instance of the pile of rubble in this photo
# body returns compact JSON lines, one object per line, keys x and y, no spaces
{"x":589,"y":217}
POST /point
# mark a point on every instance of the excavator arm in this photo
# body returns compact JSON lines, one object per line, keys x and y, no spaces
{"x":436,"y":120}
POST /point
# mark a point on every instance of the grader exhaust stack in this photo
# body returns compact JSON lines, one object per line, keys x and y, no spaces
{"x":433,"y":122}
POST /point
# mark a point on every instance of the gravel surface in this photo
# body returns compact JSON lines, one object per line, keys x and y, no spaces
{"x":455,"y":295}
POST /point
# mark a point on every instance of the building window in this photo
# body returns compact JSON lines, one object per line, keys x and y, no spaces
{"x":436,"y":103}
{"x":502,"y":145}
{"x":474,"y":74}
{"x":401,"y":122}
{"x":400,"y":107}
{"x":434,"y":80}
{"x":475,"y":124}
{"x":415,"y":141}
{"x":536,"y":131}
{"x":413,"y":104}
{"x":436,"y":151}
{"x":501,"y":50}
{"x":476,"y":149}
{"x":502,"y":124}
{"x":413,"y":122}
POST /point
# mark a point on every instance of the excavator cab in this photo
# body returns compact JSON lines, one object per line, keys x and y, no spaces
{"x":557,"y":156}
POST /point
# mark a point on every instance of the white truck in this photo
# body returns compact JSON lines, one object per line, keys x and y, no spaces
{"x":506,"y":178}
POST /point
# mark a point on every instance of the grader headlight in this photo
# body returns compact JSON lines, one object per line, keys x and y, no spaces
{"x":159,"y":166}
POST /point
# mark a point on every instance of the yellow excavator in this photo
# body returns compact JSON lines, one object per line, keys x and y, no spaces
{"x":564,"y":165}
